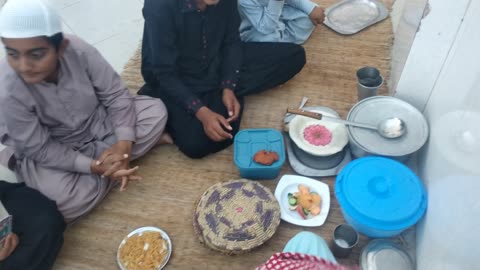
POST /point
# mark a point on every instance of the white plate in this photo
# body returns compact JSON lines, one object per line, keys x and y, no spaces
{"x":147,"y":229}
{"x":289,"y":184}
{"x":339,"y":134}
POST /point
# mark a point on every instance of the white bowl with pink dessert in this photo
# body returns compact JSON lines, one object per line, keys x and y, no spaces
{"x":318,"y":137}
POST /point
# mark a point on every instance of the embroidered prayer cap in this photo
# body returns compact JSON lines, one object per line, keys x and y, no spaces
{"x":28,"y":18}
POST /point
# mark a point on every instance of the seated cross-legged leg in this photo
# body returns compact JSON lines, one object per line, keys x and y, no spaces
{"x":188,"y":132}
{"x":151,"y":122}
{"x":37,"y":223}
{"x":78,"y":193}
{"x":267,"y":65}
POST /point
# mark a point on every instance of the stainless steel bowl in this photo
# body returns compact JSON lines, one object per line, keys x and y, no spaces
{"x":318,"y":162}
{"x":139,"y":231}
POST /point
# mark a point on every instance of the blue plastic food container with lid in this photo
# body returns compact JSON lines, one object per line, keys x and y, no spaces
{"x":380,"y":197}
{"x":248,"y":142}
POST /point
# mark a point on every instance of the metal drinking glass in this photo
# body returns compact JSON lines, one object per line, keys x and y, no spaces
{"x":345,"y":237}
{"x":369,"y":80}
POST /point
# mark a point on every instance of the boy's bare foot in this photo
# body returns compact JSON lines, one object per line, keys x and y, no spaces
{"x":165,"y":139}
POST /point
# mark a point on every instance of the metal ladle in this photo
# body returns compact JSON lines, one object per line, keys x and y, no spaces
{"x":389,"y":128}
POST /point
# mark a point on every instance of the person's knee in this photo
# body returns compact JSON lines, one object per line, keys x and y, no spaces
{"x":194,"y":148}
{"x":159,"y":111}
{"x":146,"y":90}
{"x":301,"y":29}
{"x":153,"y":107}
{"x":49,"y":221}
{"x":89,"y":192}
{"x":293,"y":59}
{"x":152,"y":118}
{"x":311,"y":244}
{"x":297,"y":58}
{"x":302,"y":236}
{"x":307,"y":240}
{"x":198,"y":149}
{"x":159,"y":107}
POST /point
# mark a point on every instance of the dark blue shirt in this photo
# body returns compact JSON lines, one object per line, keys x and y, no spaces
{"x":186,"y":52}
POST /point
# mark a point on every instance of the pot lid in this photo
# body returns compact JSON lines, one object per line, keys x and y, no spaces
{"x":381,"y":193}
{"x":385,"y":254}
{"x":375,"y":109}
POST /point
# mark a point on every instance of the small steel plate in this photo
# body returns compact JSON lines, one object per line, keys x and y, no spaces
{"x":351,"y":16}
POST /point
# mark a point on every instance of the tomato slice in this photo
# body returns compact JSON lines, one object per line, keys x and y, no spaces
{"x":300,"y":211}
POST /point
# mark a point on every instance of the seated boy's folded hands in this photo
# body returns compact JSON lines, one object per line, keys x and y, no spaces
{"x":115,"y":164}
{"x":119,"y":152}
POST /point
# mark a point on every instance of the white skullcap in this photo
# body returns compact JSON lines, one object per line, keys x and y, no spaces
{"x":28,"y":18}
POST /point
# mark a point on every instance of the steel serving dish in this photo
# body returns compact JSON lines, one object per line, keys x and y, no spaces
{"x":351,"y":16}
{"x":385,"y":254}
{"x":142,"y":230}
{"x":319,"y":162}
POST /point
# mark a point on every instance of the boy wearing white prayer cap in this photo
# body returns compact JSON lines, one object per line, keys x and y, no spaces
{"x":69,"y":123}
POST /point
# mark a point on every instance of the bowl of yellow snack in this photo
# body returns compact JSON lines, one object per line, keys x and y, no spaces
{"x":146,"y":248}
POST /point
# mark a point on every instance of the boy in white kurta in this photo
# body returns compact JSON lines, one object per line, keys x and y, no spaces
{"x":278,"y":20}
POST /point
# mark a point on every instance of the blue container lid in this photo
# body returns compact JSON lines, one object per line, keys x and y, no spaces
{"x":247,"y":142}
{"x":381,"y":193}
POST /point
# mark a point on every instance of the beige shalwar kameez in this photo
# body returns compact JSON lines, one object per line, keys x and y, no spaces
{"x":56,"y":130}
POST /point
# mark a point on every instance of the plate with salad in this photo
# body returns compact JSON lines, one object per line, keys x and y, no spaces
{"x":303,"y":201}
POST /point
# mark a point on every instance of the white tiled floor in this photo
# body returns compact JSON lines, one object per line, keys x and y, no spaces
{"x":113,"y":27}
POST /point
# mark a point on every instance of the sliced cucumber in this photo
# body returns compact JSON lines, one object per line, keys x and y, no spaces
{"x":305,"y":211}
{"x":292,"y":201}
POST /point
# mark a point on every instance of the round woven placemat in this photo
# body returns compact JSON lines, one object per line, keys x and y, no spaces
{"x":237,"y":216}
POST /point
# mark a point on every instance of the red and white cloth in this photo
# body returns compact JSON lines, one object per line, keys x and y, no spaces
{"x":298,"y":261}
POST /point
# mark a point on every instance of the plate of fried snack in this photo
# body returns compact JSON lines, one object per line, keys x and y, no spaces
{"x":146,"y":248}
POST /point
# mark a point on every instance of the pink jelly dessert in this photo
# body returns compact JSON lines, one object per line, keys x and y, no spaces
{"x":317,"y":135}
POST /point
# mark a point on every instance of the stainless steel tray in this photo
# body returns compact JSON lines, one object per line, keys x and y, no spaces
{"x":140,"y":231}
{"x":304,"y":170}
{"x":351,"y":16}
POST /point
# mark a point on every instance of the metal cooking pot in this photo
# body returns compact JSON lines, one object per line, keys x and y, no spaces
{"x":373,"y":110}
